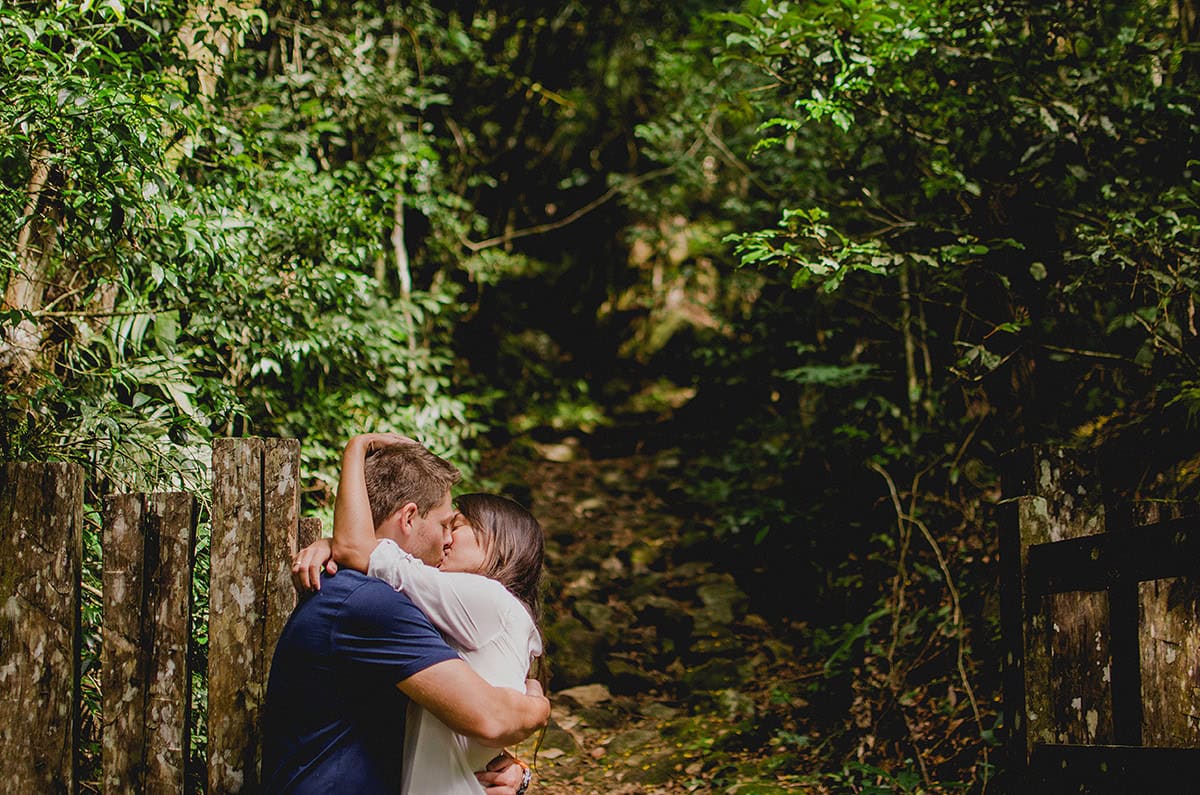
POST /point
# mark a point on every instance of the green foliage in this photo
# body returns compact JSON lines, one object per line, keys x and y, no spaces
{"x":902,"y":83}
{"x":88,"y":109}
{"x":224,"y":268}
{"x":815,"y":248}
{"x":837,"y":647}
{"x":859,"y":777}
{"x":84,"y":93}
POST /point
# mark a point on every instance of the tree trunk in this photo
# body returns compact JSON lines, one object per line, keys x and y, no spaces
{"x":209,"y":39}
{"x":21,"y":343}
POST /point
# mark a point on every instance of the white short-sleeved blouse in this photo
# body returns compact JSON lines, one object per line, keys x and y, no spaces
{"x":492,"y":631}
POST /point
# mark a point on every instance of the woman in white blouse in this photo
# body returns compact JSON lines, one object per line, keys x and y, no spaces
{"x":483,"y":598}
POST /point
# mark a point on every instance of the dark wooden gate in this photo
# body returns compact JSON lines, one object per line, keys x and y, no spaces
{"x":1101,"y":619}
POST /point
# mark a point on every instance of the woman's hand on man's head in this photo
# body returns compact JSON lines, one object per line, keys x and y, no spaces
{"x":377,"y":441}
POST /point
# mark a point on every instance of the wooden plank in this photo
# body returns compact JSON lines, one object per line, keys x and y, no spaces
{"x":236,"y":616}
{"x":170,"y":540}
{"x":1122,"y":653}
{"x":147,"y":549}
{"x":1067,"y":665}
{"x":1034,"y":527}
{"x":281,"y":519}
{"x":1114,"y":769}
{"x":1093,"y":563}
{"x":1168,"y":642}
{"x":1079,"y":683}
{"x":41,"y":548}
{"x":1058,"y":675}
{"x":1143,"y":512}
{"x":123,"y":661}
{"x":1169,"y":621}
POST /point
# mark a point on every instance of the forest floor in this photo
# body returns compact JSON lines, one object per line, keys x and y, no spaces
{"x":662,"y":678}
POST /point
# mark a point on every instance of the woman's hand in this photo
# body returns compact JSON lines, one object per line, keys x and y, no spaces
{"x":505,"y":775}
{"x":306,"y":566}
{"x":377,"y":441}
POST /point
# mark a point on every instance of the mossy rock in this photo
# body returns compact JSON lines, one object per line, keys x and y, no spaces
{"x":717,"y":673}
{"x":606,"y":716}
{"x":629,"y":678}
{"x":756,"y":788}
{"x":657,"y":770}
{"x":559,"y":739}
{"x":723,"y":600}
{"x":588,"y":695}
{"x":671,"y":618}
{"x":645,"y":584}
{"x":599,"y":617}
{"x":626,"y":743}
{"x":717,"y":644}
{"x":658,"y":711}
{"x":574,"y":652}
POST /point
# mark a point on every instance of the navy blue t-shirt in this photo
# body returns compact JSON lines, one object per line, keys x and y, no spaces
{"x":334,"y":719}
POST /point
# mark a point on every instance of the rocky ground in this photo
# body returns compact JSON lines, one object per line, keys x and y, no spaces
{"x":663,"y":679}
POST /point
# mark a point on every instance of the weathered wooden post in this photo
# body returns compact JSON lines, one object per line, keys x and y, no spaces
{"x":41,"y":548}
{"x":148,"y":554}
{"x":1064,"y":665}
{"x":255,"y":518}
{"x":310,"y":531}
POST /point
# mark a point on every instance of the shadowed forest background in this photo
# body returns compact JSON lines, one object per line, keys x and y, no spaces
{"x":747,"y":301}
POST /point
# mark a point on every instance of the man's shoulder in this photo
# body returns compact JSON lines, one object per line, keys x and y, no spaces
{"x":374,"y":623}
{"x":348,"y":583}
{"x":372,"y":600}
{"x":351,"y":593}
{"x":362,"y":587}
{"x":372,"y":589}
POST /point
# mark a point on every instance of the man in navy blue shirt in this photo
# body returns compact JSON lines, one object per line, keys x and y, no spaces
{"x":354,"y":652}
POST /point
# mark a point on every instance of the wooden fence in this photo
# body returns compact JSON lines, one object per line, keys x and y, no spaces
{"x":1101,"y":620}
{"x":147,"y":552}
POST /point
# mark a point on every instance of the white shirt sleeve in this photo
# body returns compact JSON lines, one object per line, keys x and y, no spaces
{"x":464,"y":607}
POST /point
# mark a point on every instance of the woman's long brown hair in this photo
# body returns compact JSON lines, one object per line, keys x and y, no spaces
{"x":513,"y":544}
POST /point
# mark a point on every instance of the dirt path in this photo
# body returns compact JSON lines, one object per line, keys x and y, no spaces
{"x":662,"y":680}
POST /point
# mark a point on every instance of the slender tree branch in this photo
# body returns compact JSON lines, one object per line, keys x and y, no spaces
{"x":1091,"y":354}
{"x":607,"y":196}
{"x":550,"y":226}
{"x":106,"y":313}
{"x":904,"y":519}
